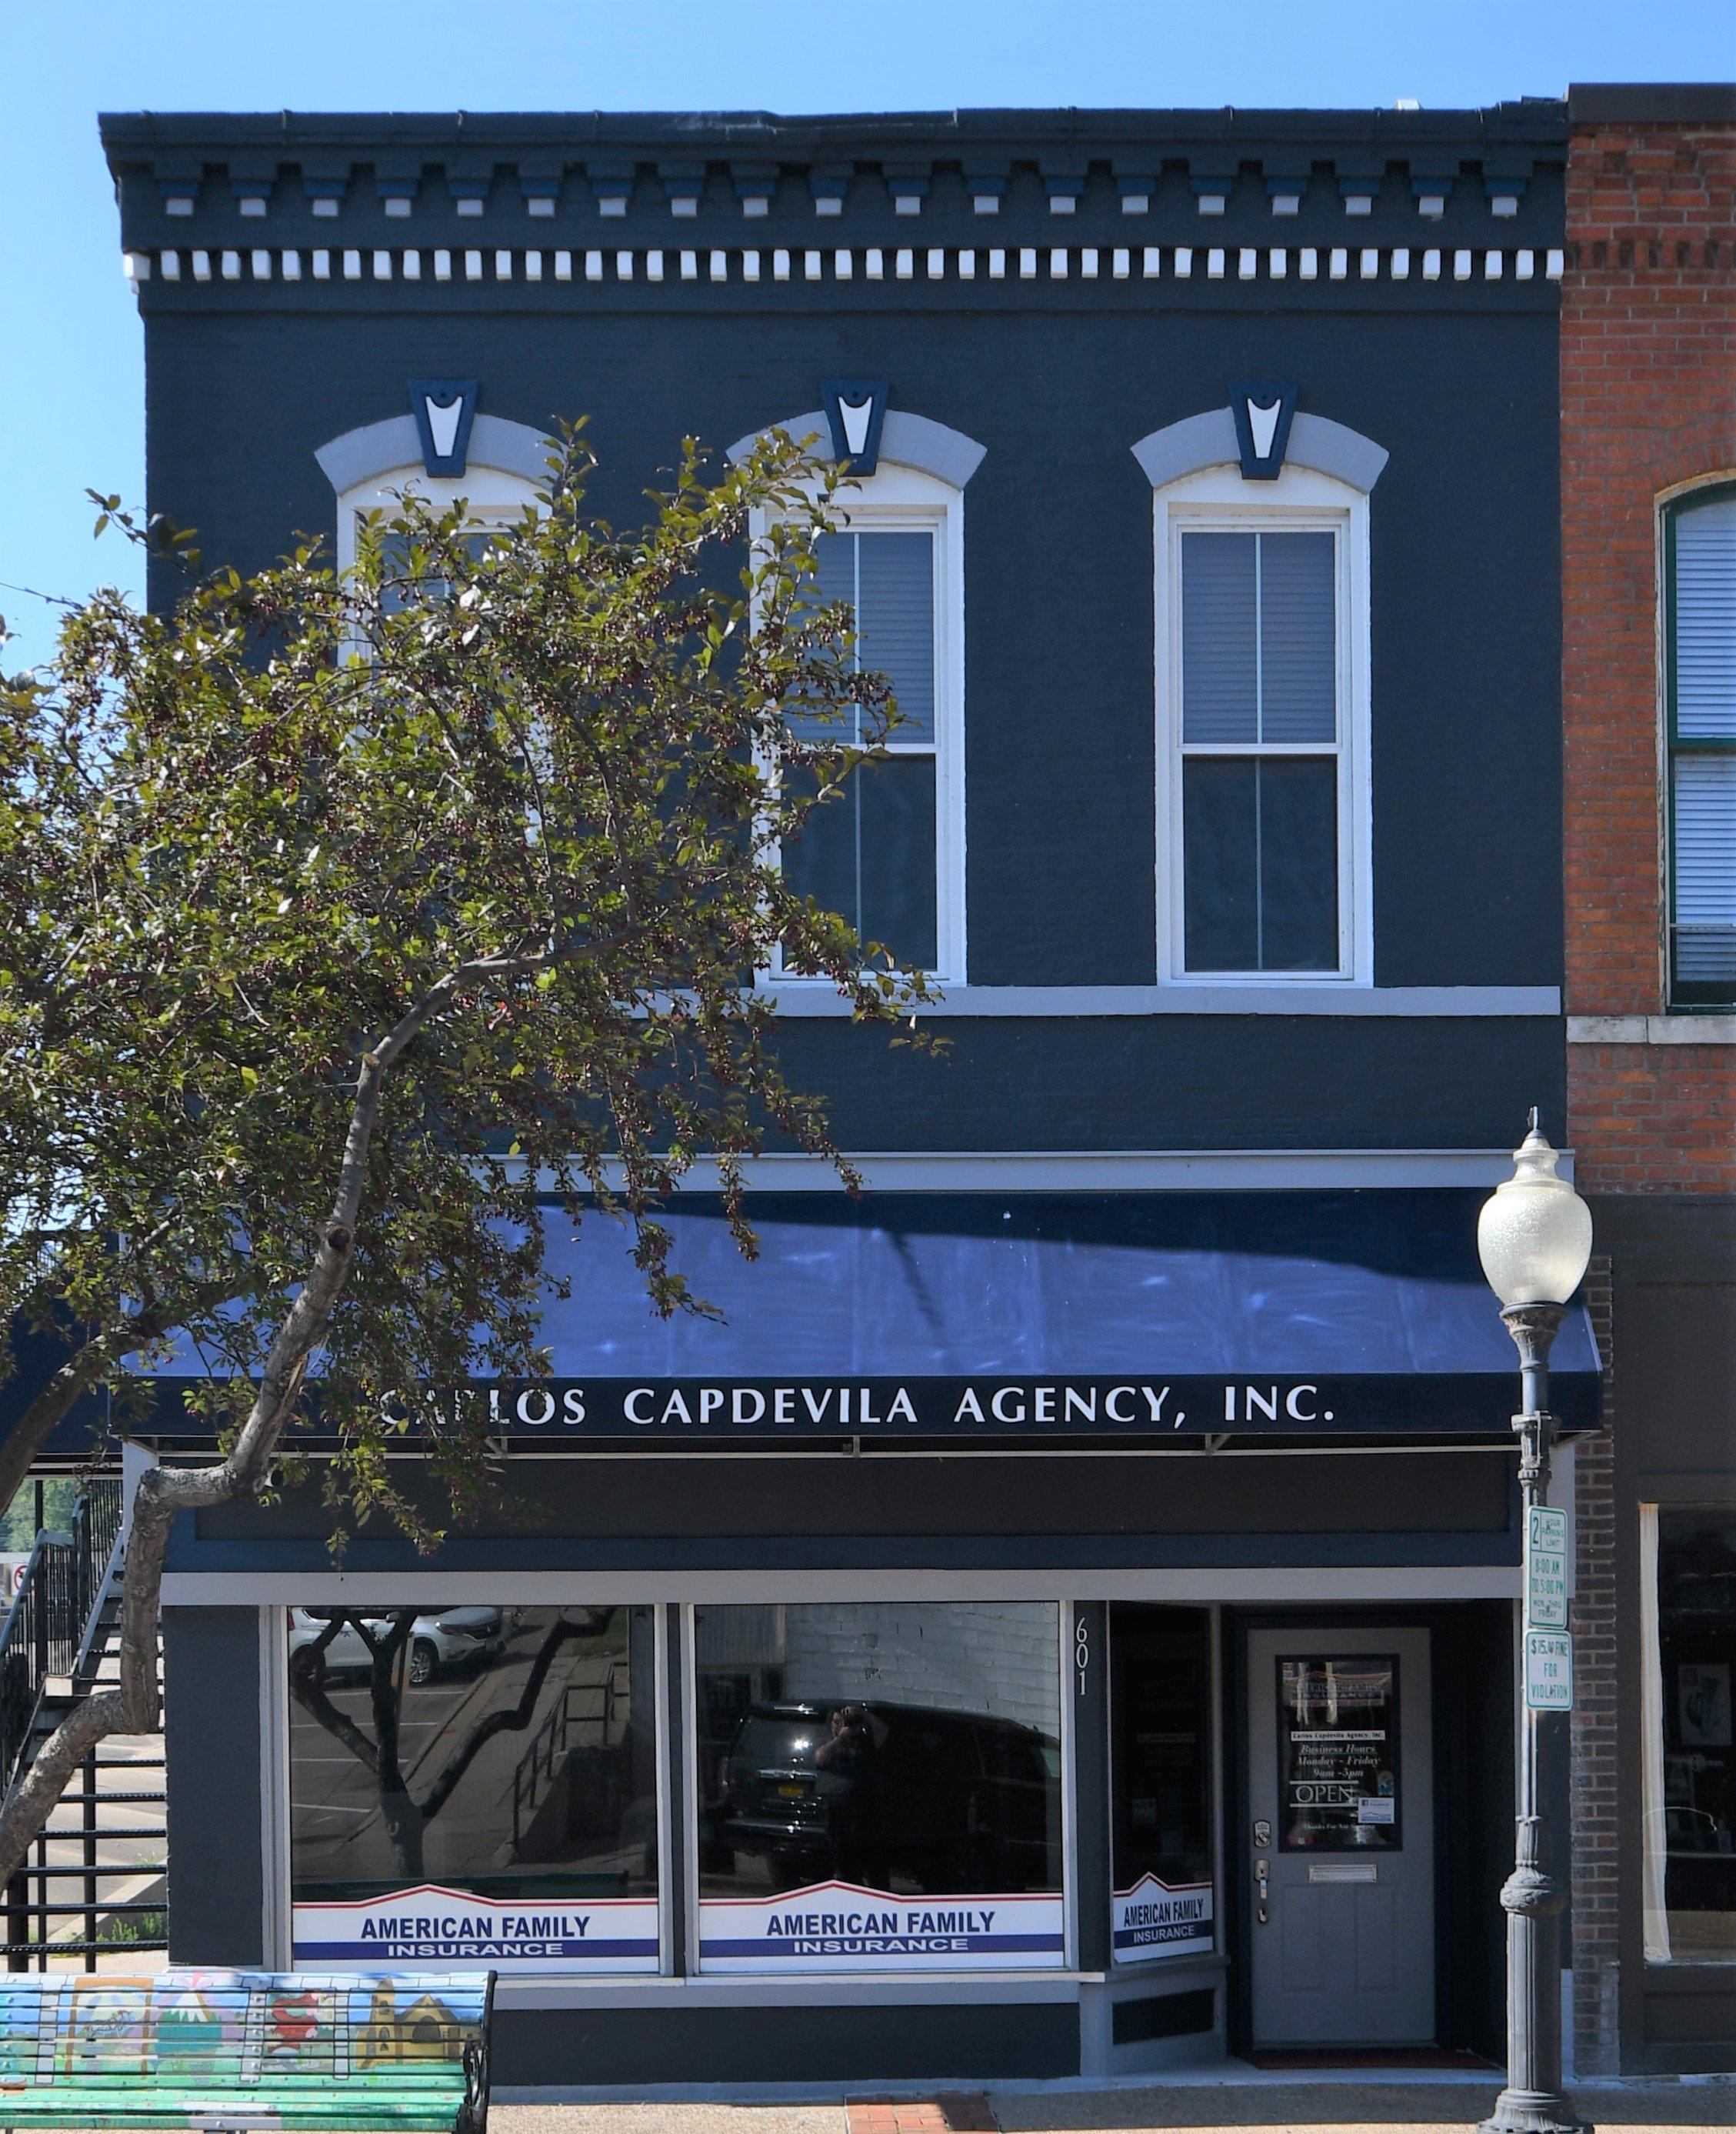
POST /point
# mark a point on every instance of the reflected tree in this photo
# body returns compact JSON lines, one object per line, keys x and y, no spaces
{"x":386,"y":1637}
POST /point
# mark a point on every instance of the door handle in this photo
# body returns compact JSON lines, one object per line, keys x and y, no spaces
{"x":1260,"y":1876}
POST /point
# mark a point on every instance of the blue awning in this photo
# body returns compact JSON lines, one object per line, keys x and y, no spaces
{"x":1375,"y":1300}
{"x":1358,"y":1314}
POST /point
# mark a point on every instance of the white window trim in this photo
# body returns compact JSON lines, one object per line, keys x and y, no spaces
{"x":495,"y":498}
{"x":275,"y":1782}
{"x":1301,"y":500}
{"x":899,"y":499}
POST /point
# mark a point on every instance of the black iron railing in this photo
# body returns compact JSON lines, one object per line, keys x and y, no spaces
{"x":97,"y":1867}
{"x":49,"y":1629}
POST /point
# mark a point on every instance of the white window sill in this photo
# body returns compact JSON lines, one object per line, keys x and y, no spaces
{"x":1651,"y":1029}
{"x":800,"y":997}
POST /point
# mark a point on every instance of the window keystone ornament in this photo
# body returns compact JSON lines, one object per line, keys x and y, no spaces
{"x":1262,"y":410}
{"x":856,"y":412}
{"x":443,"y":409}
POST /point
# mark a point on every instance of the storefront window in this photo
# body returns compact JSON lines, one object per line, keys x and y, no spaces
{"x":474,"y":1783}
{"x":880,"y":1787}
{"x":1161,"y":1697}
{"x":1337,"y":1750}
{"x":1690,"y":1760}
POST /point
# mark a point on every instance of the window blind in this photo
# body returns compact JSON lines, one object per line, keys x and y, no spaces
{"x":1702,"y":751}
{"x":1705,"y":622}
{"x":889,"y":580}
{"x":1259,"y":638}
{"x":1705,"y":871}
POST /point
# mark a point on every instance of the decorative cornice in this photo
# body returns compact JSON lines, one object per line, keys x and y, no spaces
{"x":932,"y":168}
{"x":976,"y":268}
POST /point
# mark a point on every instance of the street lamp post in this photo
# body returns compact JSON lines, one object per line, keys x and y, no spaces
{"x":1534,"y":1238}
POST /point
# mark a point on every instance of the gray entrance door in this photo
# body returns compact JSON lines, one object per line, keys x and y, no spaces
{"x":1341,"y":1838}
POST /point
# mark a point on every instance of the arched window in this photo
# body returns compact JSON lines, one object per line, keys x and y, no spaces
{"x":1700,"y":672}
{"x":370,"y":469}
{"x":1262,"y":694}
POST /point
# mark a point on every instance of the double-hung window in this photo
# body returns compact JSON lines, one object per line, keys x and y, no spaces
{"x":887,"y":853}
{"x":1261,"y":671}
{"x":1700,"y":578}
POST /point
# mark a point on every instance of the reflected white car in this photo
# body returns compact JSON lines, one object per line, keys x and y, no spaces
{"x":441,"y":1640}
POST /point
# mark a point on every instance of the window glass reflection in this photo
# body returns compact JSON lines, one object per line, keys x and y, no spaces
{"x":913,"y":1750}
{"x":505,"y":1752}
{"x":1697,"y":1662}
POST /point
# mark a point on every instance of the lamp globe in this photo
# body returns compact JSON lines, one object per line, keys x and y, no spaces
{"x":1534,"y":1231}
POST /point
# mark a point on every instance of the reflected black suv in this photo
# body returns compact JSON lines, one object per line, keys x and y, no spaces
{"x":942,"y":1802}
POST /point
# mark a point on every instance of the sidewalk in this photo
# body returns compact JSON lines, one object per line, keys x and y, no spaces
{"x":1446,"y":2105}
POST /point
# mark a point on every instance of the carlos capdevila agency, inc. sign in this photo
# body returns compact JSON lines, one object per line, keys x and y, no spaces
{"x":551,"y":1409}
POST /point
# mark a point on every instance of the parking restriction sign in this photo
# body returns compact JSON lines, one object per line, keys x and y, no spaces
{"x":1546,"y":1570}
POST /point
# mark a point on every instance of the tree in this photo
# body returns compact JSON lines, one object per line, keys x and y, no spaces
{"x":360,"y":927}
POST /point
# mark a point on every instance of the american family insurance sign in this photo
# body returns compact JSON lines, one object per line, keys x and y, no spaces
{"x":836,"y":1926}
{"x":431,"y":1925}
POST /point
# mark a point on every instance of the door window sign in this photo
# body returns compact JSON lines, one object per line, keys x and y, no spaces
{"x":1337,"y":1751}
{"x":1548,"y":1671}
{"x":1545,"y":1569}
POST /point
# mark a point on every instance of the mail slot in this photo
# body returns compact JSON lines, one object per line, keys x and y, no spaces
{"x":1342,"y":1870}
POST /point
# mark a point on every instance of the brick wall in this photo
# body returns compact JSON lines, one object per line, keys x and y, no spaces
{"x":1592,"y":1729}
{"x":1648,"y":400}
{"x":1649,"y":1117}
{"x":1648,"y":405}
{"x":1648,"y":409}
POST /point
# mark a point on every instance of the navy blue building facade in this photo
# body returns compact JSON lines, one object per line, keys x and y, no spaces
{"x":1063,"y":1619}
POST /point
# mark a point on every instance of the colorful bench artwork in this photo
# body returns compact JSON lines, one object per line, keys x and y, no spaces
{"x":223,"y":2049}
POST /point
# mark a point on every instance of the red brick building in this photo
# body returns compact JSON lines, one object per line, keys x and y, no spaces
{"x":1648,"y":484}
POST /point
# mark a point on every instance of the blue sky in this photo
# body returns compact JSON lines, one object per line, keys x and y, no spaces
{"x":72,"y":370}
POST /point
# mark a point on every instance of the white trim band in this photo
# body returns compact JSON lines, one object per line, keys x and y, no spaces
{"x":1129,"y":1171}
{"x":1305,"y":1585}
{"x":761,"y":267}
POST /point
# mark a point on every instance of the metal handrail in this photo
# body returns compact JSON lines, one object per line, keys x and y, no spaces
{"x":549,"y":1744}
{"x":52,"y":1624}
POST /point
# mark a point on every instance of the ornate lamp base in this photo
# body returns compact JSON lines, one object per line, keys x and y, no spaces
{"x":1533,"y":2111}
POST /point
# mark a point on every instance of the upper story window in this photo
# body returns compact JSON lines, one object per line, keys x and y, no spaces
{"x":494,"y":498}
{"x":1700,"y":580}
{"x":1263,"y":683}
{"x":888,"y":854}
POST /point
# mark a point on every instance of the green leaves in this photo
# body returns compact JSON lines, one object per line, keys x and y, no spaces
{"x":526,"y":783}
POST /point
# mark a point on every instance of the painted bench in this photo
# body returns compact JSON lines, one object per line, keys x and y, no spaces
{"x":235,"y":2050}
